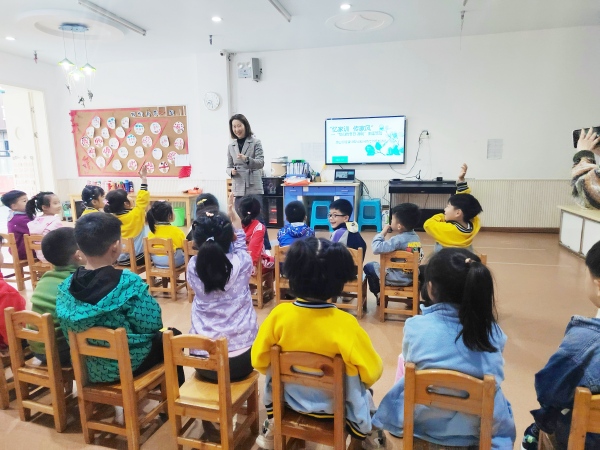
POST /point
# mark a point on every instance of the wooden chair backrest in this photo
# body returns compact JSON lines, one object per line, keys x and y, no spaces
{"x":421,"y":388}
{"x":585,"y":419}
{"x":11,"y":243}
{"x":128,"y":246}
{"x":357,"y":257}
{"x":189,"y":250}
{"x":401,"y":259}
{"x":33,"y":242}
{"x":311,"y":370}
{"x":158,"y":246}
{"x":17,"y":331}
{"x":279,"y":253}
{"x":482,"y":257}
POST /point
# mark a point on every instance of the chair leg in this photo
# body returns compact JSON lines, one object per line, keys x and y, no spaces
{"x":259,"y":293}
{"x":22,"y":391}
{"x":253,"y":409}
{"x":59,"y":405}
{"x":4,"y":391}
{"x":132,"y":425}
{"x":382,"y":306}
{"x":20,"y":277}
{"x":86,"y":409}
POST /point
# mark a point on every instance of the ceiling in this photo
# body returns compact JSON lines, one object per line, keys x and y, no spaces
{"x":182,"y":27}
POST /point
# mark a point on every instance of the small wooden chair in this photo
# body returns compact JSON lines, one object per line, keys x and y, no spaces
{"x":203,"y":400}
{"x":17,"y":265}
{"x":189,"y":250}
{"x":421,"y":388}
{"x":127,"y":393}
{"x":357,"y":287}
{"x":169,"y":275}
{"x":318,"y":372}
{"x":128,"y":247}
{"x":51,"y":376}
{"x":37,"y":268}
{"x":282,"y":284}
{"x":262,"y":280}
{"x":409,"y":295}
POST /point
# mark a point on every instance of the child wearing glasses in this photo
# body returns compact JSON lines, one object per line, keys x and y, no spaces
{"x":344,"y":231}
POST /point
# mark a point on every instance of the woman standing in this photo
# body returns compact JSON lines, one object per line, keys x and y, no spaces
{"x":245,"y":161}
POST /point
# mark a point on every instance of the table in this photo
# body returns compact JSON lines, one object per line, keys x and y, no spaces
{"x":174,"y":199}
{"x":323,"y":191}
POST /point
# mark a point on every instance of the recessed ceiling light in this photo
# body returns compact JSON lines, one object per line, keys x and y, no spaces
{"x":216,"y":19}
{"x":345,"y":6}
{"x":10,"y":38}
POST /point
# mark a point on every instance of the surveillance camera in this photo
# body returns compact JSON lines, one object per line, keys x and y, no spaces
{"x":223,"y":52}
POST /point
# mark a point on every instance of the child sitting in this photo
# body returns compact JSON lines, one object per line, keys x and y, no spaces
{"x":295,"y":214}
{"x":249,"y":210}
{"x":317,"y":270}
{"x":93,"y":199}
{"x":576,"y":363}
{"x":98,"y":295}
{"x":204,"y":202}
{"x":159,"y":219}
{"x":344,"y":231}
{"x":18,"y":219}
{"x":219,"y":276}
{"x":9,"y":297}
{"x":405,"y":218}
{"x":49,"y":204}
{"x":132,"y":219}
{"x":457,"y":331}
{"x":459,"y":223}
{"x":62,"y":252}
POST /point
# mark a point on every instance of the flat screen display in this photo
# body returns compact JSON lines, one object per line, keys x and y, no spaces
{"x":365,"y":140}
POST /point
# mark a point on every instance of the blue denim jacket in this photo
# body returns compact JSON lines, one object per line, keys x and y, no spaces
{"x":576,"y":363}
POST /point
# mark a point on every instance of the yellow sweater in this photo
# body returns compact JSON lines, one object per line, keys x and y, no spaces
{"x":317,"y":328}
{"x":452,"y":234}
{"x":88,"y":210}
{"x":133,"y":221}
{"x":169,"y":232}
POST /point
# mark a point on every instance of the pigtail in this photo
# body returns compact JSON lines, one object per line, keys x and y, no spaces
{"x":249,"y":209}
{"x":115,"y":201}
{"x":30,"y":207}
{"x":477,"y":311}
{"x":151,"y":221}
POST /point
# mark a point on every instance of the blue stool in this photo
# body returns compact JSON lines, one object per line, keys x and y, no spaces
{"x":319,"y":215}
{"x":369,"y":213}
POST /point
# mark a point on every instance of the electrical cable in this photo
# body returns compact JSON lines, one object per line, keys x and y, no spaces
{"x":418,"y":176}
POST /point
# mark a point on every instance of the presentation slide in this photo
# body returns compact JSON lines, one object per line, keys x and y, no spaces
{"x":365,"y":140}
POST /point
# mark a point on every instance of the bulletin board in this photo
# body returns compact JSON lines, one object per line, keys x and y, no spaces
{"x":118,"y":142}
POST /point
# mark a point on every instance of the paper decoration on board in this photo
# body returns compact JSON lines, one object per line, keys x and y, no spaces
{"x":117,"y":164}
{"x":149,"y":167}
{"x":147,"y":141}
{"x":100,"y":162}
{"x":138,"y":129}
{"x":125,"y":122}
{"x":96,"y":122}
{"x":105,"y":133}
{"x":89,"y":131}
{"x":123,"y":152}
{"x":131,"y":140}
{"x":163,"y":167}
{"x":120,"y":132}
{"x":132,"y":164}
{"x":85,"y":142}
{"x":113,"y":143}
{"x":98,"y":141}
{"x":91,"y":152}
{"x":179,"y":144}
{"x":171,"y":157}
{"x":155,"y":128}
{"x":182,"y":160}
{"x":111,"y":122}
{"x":107,"y":152}
{"x":157,"y":154}
{"x":139,"y":152}
{"x":178,"y":128}
{"x":164,"y":141}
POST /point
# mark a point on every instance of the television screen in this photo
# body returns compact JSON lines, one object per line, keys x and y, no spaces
{"x":365,"y":140}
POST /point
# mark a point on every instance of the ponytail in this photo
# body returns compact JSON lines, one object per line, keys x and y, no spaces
{"x":318,"y":269}
{"x":151,"y":221}
{"x":36,"y":202}
{"x":457,"y":276}
{"x":249,"y":209}
{"x":115,"y":201}
{"x":213,"y":235}
{"x":159,"y":212}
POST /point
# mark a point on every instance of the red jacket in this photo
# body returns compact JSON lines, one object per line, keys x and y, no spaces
{"x":9,"y":296}
{"x":255,"y":239}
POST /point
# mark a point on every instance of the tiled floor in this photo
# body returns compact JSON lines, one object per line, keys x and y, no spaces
{"x":539,"y":287}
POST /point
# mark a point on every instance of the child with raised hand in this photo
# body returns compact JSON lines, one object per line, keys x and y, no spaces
{"x":219,"y":276}
{"x":405,"y":218}
{"x":49,"y":204}
{"x":133,"y":220}
{"x":575,"y":363}
{"x":93,"y":199}
{"x":249,"y":210}
{"x":9,"y":298}
{"x":317,"y":270}
{"x":458,"y":225}
{"x":61,"y":250}
{"x":18,"y":219}
{"x":159,"y":219}
{"x":458,"y":330}
{"x":295,"y":214}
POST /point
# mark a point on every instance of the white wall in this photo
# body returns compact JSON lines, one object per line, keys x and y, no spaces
{"x":529,"y":88}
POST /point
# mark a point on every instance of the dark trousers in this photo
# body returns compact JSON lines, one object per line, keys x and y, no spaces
{"x":259,"y":218}
{"x":372,"y":275}
{"x":157,"y":356}
{"x":240,"y":367}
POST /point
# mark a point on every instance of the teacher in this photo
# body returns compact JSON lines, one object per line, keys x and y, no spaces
{"x":245,"y":161}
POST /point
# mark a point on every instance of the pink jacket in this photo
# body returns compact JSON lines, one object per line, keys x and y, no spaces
{"x":43,"y":225}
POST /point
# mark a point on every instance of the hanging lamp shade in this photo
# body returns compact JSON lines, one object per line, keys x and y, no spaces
{"x":66,"y":64}
{"x":88,"y":69}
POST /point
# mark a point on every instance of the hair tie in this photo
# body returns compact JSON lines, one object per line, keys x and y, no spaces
{"x":211,"y":238}
{"x":468,"y":262}
{"x":199,"y":202}
{"x":209,"y":214}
